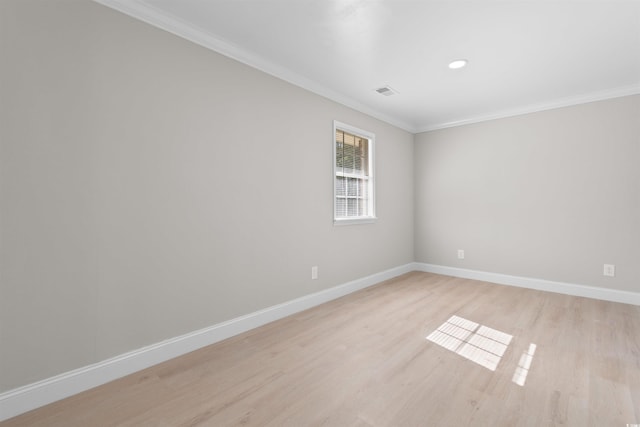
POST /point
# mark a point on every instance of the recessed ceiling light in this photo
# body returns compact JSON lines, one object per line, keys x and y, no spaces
{"x":458,"y":63}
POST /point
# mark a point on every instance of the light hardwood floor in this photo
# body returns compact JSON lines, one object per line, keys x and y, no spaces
{"x":365,"y":360}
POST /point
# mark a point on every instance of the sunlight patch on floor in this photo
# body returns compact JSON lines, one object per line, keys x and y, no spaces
{"x":478,"y":343}
{"x":520,"y":375}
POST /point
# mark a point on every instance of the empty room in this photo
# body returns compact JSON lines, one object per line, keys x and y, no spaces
{"x":319,"y":213}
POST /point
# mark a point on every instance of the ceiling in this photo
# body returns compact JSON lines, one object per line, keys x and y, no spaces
{"x":524,"y":56}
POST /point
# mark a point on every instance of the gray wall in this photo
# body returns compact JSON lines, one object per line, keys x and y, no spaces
{"x":552,"y":195}
{"x":150,"y":187}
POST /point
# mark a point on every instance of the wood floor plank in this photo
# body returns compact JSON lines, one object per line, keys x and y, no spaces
{"x":418,"y":350}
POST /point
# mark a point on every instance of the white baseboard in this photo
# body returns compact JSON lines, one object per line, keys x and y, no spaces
{"x":32,"y":396}
{"x":613,"y":295}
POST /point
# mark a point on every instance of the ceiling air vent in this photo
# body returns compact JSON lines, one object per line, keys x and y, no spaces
{"x":386,"y":91}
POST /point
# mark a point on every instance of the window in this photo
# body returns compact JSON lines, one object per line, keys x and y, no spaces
{"x":353,"y":187}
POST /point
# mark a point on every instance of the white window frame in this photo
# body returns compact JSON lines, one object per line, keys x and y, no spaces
{"x":371,"y":187}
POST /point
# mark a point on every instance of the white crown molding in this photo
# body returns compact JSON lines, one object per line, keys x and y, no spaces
{"x":534,"y":108}
{"x":593,"y":292}
{"x":145,"y":12}
{"x":142,"y":11}
{"x":32,"y":396}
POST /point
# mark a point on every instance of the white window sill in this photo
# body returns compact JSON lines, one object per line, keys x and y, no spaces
{"x":357,"y":220}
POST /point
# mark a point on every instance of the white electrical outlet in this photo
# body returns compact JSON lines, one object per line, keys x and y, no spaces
{"x":609,"y":270}
{"x":460,"y":253}
{"x":314,"y":272}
